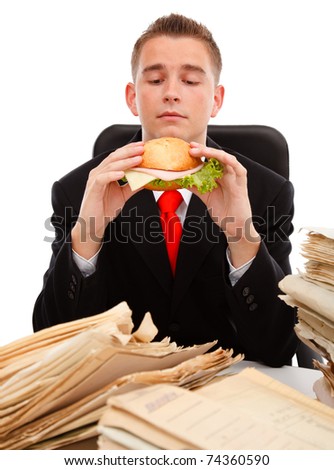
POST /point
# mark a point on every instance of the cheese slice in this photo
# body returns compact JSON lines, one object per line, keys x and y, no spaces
{"x":138,"y":177}
{"x":137,"y":180}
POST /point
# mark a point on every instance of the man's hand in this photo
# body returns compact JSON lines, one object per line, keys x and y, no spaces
{"x":104,"y":198}
{"x":229,"y":205}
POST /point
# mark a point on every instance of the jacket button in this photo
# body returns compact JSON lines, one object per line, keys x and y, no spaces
{"x":246,"y":291}
{"x":70,"y":295}
{"x":74,"y":279}
{"x":249,"y":299}
{"x":252,"y":307}
{"x":72,"y":286}
{"x":174,"y":327}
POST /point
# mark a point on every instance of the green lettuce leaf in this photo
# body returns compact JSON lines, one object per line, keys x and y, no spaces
{"x":204,"y":180}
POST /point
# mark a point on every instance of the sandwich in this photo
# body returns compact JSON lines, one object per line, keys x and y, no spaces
{"x":167,"y":165}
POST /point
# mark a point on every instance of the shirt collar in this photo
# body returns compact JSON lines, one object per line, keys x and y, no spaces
{"x":185,"y":193}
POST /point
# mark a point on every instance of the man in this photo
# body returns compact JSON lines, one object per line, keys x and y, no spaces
{"x":107,"y":245}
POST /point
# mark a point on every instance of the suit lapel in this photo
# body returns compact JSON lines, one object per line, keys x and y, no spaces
{"x":199,"y":236}
{"x":141,"y":224}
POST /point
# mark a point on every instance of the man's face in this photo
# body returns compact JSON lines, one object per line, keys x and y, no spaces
{"x":175,"y":93}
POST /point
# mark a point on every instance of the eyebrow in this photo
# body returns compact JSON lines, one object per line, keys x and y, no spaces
{"x":186,"y":67}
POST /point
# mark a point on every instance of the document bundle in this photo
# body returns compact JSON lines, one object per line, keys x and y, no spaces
{"x":312,"y":292}
{"x":249,"y":410}
{"x":54,"y":385}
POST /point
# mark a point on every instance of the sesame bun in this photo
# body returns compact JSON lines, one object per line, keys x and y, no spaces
{"x":168,"y":153}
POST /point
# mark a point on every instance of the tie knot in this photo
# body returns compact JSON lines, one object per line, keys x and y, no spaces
{"x":169,"y":201}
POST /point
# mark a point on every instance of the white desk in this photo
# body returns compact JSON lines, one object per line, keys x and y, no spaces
{"x":297,"y":377}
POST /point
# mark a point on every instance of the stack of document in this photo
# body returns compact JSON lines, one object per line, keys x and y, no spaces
{"x":312,"y":292}
{"x":249,"y":410}
{"x":54,"y":384}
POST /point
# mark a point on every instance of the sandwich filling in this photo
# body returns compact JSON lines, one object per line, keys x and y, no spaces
{"x":203,"y":177}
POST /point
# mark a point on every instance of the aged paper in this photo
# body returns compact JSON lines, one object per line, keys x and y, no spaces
{"x":312,"y":292}
{"x":247,"y":411}
{"x":58,"y":397}
{"x":309,"y":294}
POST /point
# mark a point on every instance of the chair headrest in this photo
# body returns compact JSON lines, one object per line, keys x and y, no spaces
{"x":263,"y":144}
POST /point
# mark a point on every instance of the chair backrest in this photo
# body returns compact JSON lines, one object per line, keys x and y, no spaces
{"x":263,"y":144}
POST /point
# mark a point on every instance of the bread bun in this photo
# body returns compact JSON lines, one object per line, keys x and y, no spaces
{"x":168,"y":153}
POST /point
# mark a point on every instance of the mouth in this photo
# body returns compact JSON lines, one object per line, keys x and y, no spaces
{"x":171,"y":115}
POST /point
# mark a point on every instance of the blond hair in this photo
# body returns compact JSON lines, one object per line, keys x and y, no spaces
{"x":175,"y":25}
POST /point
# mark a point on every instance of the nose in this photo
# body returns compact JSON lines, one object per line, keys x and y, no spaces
{"x":170,"y":99}
{"x":171,"y":94}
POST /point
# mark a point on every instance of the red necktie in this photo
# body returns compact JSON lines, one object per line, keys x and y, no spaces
{"x":171,"y":225}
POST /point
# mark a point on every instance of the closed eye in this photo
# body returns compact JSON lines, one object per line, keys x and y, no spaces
{"x":190,"y":82}
{"x":156,"y":81}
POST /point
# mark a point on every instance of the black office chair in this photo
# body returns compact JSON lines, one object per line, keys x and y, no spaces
{"x":263,"y":144}
{"x":260,"y":143}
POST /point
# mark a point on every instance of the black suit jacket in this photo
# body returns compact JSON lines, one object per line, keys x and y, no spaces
{"x":200,"y":304}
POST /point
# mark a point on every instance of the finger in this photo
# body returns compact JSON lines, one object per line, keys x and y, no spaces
{"x":115,"y":165}
{"x":131,"y":149}
{"x":124,"y":164}
{"x":103,"y":179}
{"x":128,"y":151}
{"x":198,"y":150}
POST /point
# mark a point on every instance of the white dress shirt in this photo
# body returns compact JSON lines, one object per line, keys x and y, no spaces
{"x":88,"y":267}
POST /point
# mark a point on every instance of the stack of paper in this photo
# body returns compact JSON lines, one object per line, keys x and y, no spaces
{"x":54,"y":385}
{"x":318,"y":249}
{"x":249,"y":410}
{"x":312,"y":292}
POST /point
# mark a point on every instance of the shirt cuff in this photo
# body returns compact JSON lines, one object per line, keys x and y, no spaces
{"x":236,"y":273}
{"x":87,"y":267}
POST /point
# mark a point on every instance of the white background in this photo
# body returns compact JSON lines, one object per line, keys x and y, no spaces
{"x":64,"y":66}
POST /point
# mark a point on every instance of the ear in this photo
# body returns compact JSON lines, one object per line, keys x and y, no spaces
{"x":218,"y":100}
{"x":130,"y":95}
